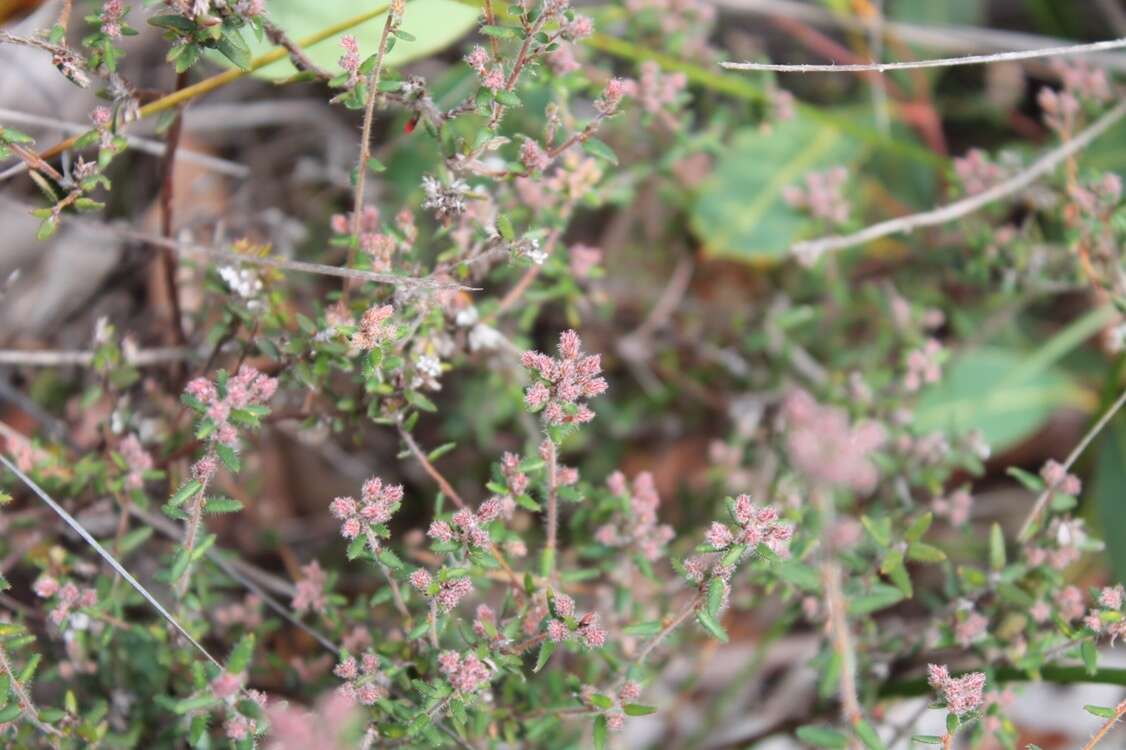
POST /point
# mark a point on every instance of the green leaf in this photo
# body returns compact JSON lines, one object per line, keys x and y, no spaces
{"x":927,"y":739}
{"x":643,"y":629}
{"x":602,"y":701}
{"x":600,"y":732}
{"x":879,"y":529}
{"x":600,"y":150}
{"x":919,"y":527}
{"x":868,"y":736}
{"x":356,"y":548}
{"x":1101,"y":711}
{"x":925,"y":553}
{"x":504,"y":226}
{"x":800,"y":574}
{"x":996,"y":547}
{"x":712,"y":626}
{"x":196,"y":703}
{"x":974,"y":394}
{"x":880,"y":597}
{"x":9,"y":713}
{"x":547,"y":648}
{"x":716,"y":590}
{"x":234,"y":48}
{"x":740,"y":213}
{"x":375,"y":165}
{"x":222,"y":505}
{"x":500,"y":32}
{"x":636,"y":709}
{"x":434,"y":25}
{"x":1108,"y":488}
{"x":241,"y":655}
{"x":823,"y":737}
{"x":228,"y":456}
{"x":1031,"y":481}
{"x":1090,"y":656}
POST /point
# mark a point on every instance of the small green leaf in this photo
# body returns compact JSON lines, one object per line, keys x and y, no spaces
{"x":195,"y":703}
{"x":996,"y":547}
{"x":240,"y":657}
{"x":1101,"y":711}
{"x":1090,"y":656}
{"x":643,"y":629}
{"x":504,"y":226}
{"x":376,"y":166}
{"x":712,"y":626}
{"x":927,"y":739}
{"x":869,"y":736}
{"x":600,"y":150}
{"x":547,"y":648}
{"x":600,"y":732}
{"x":879,"y":529}
{"x":925,"y":553}
{"x":9,"y":713}
{"x":500,"y":32}
{"x":716,"y":590}
{"x":822,"y":737}
{"x":602,"y":701}
{"x":222,"y":505}
{"x":636,"y":709}
{"x":228,"y":456}
{"x":919,"y":527}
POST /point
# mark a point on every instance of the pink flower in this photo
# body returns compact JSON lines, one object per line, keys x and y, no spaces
{"x":347,"y":669}
{"x":350,"y":62}
{"x":557,"y":631}
{"x":822,"y":196}
{"x":533,"y":157}
{"x":477,"y":59}
{"x":421,"y":579}
{"x":719,"y":535}
{"x":970,"y":629}
{"x":826,"y":448}
{"x":451,"y":592}
{"x":226,"y":685}
{"x":1111,"y":597}
{"x":373,"y":329}
{"x":310,"y":590}
{"x":564,"y":382}
{"x":1056,"y":477}
{"x":45,"y":587}
{"x":962,"y":694}
{"x":629,"y":693}
{"x":615,"y":720}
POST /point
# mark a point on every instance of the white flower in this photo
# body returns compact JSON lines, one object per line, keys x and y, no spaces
{"x":485,"y":337}
{"x":467,"y":316}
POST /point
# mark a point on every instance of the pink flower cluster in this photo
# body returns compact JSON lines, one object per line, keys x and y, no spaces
{"x":362,"y":679}
{"x":350,"y":61}
{"x":970,"y":628}
{"x":1058,"y":480}
{"x":563,"y":625}
{"x":755,"y":526}
{"x":492,"y":76}
{"x":445,"y":594}
{"x":822,"y":195}
{"x":924,"y":366}
{"x":374,"y":328}
{"x":247,"y":388}
{"x":955,"y":508}
{"x":639,"y":527}
{"x":310,"y":590}
{"x":378,"y":502}
{"x":466,"y":673}
{"x":564,"y":382}
{"x":826,"y":448}
{"x":657,"y":93}
{"x":616,"y":90}
{"x":484,"y":621}
{"x":962,"y":694}
{"x":69,"y":597}
{"x":977,"y":173}
{"x":137,"y":462}
{"x":1110,"y":601}
{"x":227,"y":685}
{"x":112,"y":13}
{"x":615,"y":716}
{"x":468,"y":528}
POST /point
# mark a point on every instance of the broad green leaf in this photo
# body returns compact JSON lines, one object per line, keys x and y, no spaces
{"x":739,"y":211}
{"x":1108,"y":491}
{"x":879,"y":597}
{"x":869,"y":736}
{"x":712,"y":626}
{"x":546,"y":650}
{"x":434,"y":24}
{"x":823,"y":737}
{"x":989,"y":389}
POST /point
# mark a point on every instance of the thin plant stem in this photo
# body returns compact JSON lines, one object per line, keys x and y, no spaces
{"x":944,"y":62}
{"x":1028,"y":526}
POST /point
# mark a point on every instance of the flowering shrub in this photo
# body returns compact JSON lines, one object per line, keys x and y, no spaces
{"x":592,"y":504}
